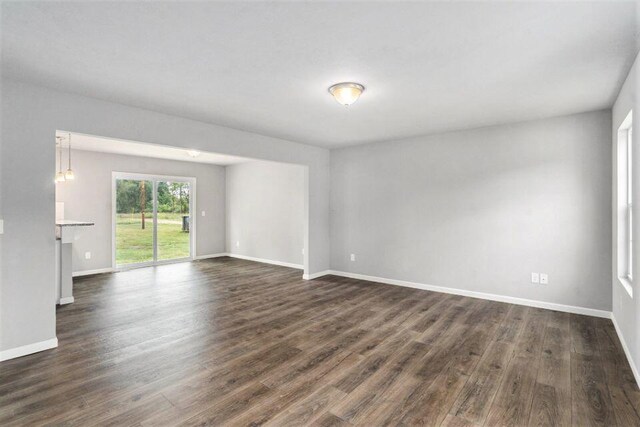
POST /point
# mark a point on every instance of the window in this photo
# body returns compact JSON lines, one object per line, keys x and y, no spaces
{"x":629,"y":202}
{"x":625,"y":203}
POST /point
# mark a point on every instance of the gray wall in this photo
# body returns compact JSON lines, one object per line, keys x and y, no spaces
{"x":30,"y":117}
{"x":265,"y":211}
{"x":491,"y":205}
{"x":88,"y":197}
{"x":626,"y":308}
{"x":480,"y":210}
{"x":27,"y":297}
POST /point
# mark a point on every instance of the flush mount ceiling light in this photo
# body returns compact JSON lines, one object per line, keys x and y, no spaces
{"x":346,"y":93}
{"x":193,"y":153}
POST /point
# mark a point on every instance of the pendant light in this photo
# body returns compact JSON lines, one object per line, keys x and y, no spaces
{"x":69,"y":175}
{"x":59,"y":175}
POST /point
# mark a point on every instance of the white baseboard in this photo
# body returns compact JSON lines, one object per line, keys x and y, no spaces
{"x":315,"y":275}
{"x":91,"y":272}
{"x":626,"y":350}
{"x":66,"y":300}
{"x":221,"y":254}
{"x":481,"y":295}
{"x":267,"y":261}
{"x":24,"y":350}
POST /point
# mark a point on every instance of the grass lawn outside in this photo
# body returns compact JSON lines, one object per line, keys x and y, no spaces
{"x":135,"y":245}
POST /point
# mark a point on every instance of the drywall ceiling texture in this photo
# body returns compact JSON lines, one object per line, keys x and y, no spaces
{"x":625,"y":307}
{"x":265,"y":211}
{"x":30,"y":117}
{"x":266,"y":66}
{"x":481,"y":210}
{"x":89,"y":197}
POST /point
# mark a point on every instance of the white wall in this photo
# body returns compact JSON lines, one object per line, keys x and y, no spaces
{"x":480,"y":210}
{"x":265,"y":211}
{"x":626,"y":308}
{"x":30,"y":117}
{"x":88,"y":197}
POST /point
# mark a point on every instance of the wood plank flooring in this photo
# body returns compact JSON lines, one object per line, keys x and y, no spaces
{"x":233,"y":342}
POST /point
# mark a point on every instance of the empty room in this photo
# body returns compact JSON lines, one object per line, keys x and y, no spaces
{"x":238,"y":213}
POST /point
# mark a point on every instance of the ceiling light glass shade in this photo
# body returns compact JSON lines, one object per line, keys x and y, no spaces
{"x":193,"y":153}
{"x":60,"y":177}
{"x":346,"y":93}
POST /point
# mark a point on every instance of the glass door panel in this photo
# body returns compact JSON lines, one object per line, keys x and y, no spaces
{"x":174,"y":220}
{"x":134,"y":227}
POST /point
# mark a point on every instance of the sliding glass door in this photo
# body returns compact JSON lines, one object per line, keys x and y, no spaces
{"x":134,"y":221}
{"x":173,"y":219}
{"x":152,"y":219}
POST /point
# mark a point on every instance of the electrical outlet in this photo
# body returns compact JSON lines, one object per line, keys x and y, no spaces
{"x":353,"y":257}
{"x":203,"y":213}
{"x":302,"y":251}
{"x":535,"y":278}
{"x":87,"y":255}
{"x":544,"y":279}
{"x":237,"y":243}
{"x":1,"y":226}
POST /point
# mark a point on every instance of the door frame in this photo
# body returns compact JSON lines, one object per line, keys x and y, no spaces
{"x":154,"y":179}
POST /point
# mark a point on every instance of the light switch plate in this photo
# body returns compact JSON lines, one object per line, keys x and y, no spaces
{"x":535,"y":278}
{"x":203,"y":213}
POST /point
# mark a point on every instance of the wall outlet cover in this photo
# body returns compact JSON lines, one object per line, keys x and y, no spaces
{"x":353,"y":257}
{"x":87,"y":255}
{"x":544,"y":279}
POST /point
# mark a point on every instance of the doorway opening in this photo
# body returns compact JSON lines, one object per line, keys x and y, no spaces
{"x":152,"y":219}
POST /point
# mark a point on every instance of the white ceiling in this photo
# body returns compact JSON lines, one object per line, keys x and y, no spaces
{"x":265,"y":67}
{"x":118,"y":146}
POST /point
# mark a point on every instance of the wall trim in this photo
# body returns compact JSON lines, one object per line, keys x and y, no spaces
{"x":66,"y":300}
{"x":218,"y":255}
{"x":473,"y":294}
{"x":266,"y":261}
{"x":24,"y":350}
{"x":626,"y":350}
{"x":316,"y":275}
{"x":91,"y":272}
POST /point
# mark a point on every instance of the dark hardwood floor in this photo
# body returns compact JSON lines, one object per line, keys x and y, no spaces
{"x":232,"y":342}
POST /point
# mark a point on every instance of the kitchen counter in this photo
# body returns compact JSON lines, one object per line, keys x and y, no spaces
{"x":71,"y":223}
{"x":67,"y":231}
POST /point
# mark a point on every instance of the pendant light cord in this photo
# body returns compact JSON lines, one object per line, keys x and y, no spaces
{"x":69,"y":151}
{"x":60,"y":163}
